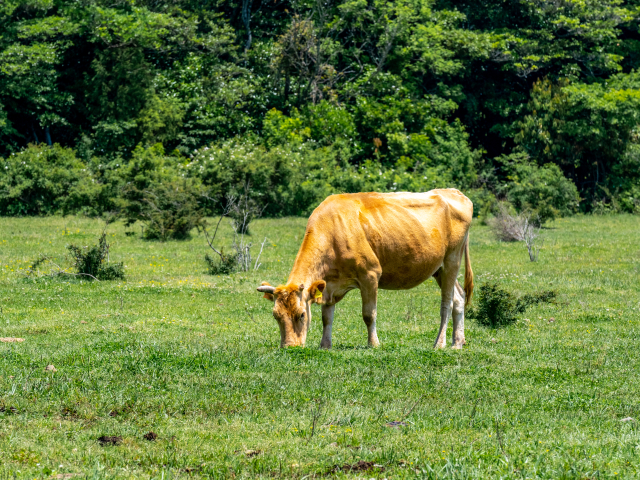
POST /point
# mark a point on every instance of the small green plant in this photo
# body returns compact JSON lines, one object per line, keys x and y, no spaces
{"x":93,"y":262}
{"x":223,"y":265}
{"x":498,"y":308}
{"x":34,"y":269}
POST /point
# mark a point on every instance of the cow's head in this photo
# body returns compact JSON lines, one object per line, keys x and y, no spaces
{"x":292,"y":309}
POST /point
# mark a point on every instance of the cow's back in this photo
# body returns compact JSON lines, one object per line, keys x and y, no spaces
{"x":403,"y":235}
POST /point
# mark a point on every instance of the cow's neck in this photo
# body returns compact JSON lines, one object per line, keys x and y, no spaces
{"x":310,"y":264}
{"x":306,"y":274}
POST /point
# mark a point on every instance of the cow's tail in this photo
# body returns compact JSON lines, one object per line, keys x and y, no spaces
{"x":468,"y":275}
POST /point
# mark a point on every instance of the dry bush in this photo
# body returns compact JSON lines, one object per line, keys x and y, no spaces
{"x":242,"y":211}
{"x":516,"y":228}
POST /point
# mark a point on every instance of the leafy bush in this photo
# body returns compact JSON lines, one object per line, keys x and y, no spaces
{"x":329,"y":123}
{"x":497,"y":307}
{"x":223,"y":265}
{"x":589,"y":129}
{"x":41,"y":180}
{"x":293,"y":179}
{"x":168,"y":204}
{"x":169,"y":210}
{"x":543,"y":193}
{"x":92,"y":262}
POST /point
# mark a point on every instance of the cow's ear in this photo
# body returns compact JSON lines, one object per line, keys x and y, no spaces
{"x":268,"y":291}
{"x":315,"y":291}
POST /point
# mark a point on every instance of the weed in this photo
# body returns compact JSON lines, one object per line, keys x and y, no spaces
{"x":225,"y":264}
{"x":92,"y":261}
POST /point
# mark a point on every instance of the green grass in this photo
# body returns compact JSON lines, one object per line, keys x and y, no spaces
{"x":195,"y":359}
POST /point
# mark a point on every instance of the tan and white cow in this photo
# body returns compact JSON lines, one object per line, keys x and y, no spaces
{"x":369,"y":241}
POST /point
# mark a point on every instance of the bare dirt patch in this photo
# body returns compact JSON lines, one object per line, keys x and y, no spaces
{"x":249,"y":453}
{"x":105,"y":440}
{"x":11,"y":339}
{"x":396,"y":424}
{"x":360,"y":466}
{"x":151,"y":436}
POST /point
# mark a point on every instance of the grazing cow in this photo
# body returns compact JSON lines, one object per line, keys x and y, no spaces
{"x":393,"y":241}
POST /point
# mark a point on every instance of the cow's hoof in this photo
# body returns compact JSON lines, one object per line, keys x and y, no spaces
{"x":325,"y":346}
{"x":374,"y":344}
{"x":457,"y":346}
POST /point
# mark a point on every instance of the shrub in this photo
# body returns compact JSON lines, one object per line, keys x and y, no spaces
{"x":92,"y":262}
{"x":41,"y":180}
{"x":170,"y":210}
{"x":280,"y":129}
{"x":543,"y":193}
{"x":499,"y":308}
{"x":225,"y":264}
{"x":294,"y":179}
{"x":329,"y":123}
{"x":168,"y":204}
{"x":590,"y":130}
{"x":516,"y":228}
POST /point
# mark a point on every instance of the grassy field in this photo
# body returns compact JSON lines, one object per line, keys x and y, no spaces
{"x":195,"y":359}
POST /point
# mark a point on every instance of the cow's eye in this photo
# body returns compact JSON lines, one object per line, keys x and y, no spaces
{"x":302,"y":316}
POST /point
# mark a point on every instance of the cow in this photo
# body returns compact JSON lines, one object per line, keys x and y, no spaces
{"x":371,"y":241}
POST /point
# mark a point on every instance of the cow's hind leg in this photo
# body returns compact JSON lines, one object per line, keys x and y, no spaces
{"x":369,"y":294}
{"x":446,"y":278}
{"x":327,"y":322}
{"x":458,"y":316}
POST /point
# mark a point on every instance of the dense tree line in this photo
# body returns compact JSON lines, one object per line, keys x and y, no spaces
{"x":517,"y":100}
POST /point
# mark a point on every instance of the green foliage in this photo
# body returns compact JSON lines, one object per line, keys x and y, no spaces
{"x":92,"y":262}
{"x":43,"y":180}
{"x":160,"y":120}
{"x":293,"y":179}
{"x":410,"y":88}
{"x":543,"y":193}
{"x":279,"y":129}
{"x":497,"y":307}
{"x":154,"y":193}
{"x":329,"y":123}
{"x":591,"y":130}
{"x":223,"y":265}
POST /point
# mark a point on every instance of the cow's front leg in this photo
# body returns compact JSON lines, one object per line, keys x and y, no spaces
{"x":369,"y":312}
{"x":327,"y":322}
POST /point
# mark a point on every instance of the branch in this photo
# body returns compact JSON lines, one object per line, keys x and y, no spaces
{"x":257,"y":265}
{"x":225,"y":211}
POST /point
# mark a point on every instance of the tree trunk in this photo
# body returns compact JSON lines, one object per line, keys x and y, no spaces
{"x":246,"y":19}
{"x":47,"y":135}
{"x":287,"y":86}
{"x":35,"y":135}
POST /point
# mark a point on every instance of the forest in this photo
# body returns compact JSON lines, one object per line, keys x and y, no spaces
{"x":167,"y":107}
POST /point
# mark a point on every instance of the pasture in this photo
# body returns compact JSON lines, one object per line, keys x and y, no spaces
{"x":195,"y":359}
